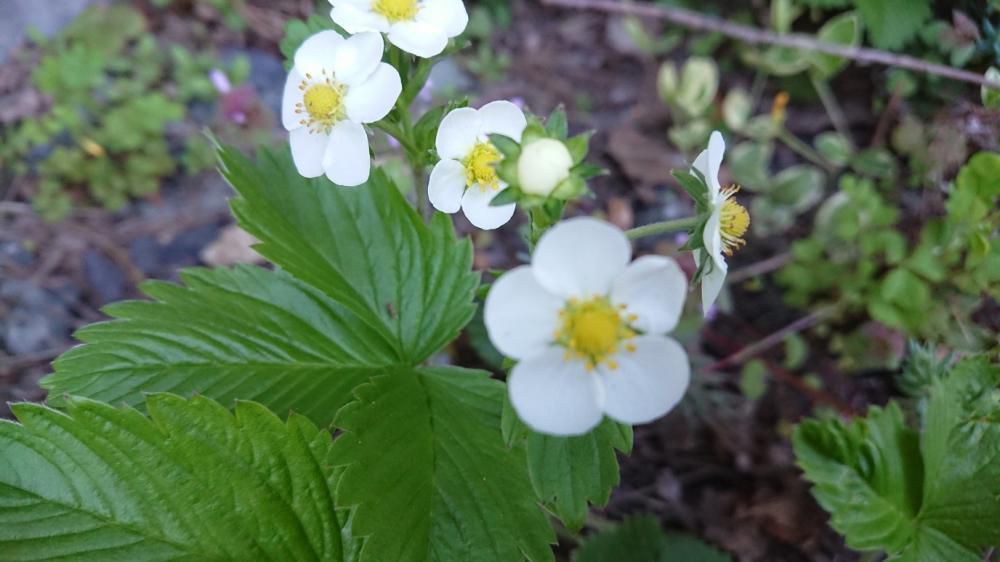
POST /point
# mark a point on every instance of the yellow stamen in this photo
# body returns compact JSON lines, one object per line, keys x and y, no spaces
{"x":734,"y":220}
{"x":396,"y":10}
{"x":595,"y":331}
{"x":480,"y":166}
{"x":323,"y":103}
{"x":779,"y":106}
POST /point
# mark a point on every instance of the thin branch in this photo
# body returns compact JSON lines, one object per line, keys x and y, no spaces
{"x":746,"y":34}
{"x":773,"y":339}
{"x":758,"y":268}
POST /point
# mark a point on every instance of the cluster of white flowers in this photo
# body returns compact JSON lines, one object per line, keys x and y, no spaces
{"x":588,"y":328}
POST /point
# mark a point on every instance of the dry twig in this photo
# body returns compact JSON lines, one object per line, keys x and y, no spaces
{"x":746,"y":34}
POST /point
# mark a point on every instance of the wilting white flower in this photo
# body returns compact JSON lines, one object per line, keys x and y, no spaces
{"x":421,"y":27}
{"x":589,"y":330}
{"x":335,"y":87}
{"x":543,"y":165}
{"x":725,"y":227}
{"x":466,"y":177}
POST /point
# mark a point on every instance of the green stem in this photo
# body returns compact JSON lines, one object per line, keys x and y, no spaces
{"x":833,"y":109}
{"x":661,"y":227}
{"x":804,"y":150}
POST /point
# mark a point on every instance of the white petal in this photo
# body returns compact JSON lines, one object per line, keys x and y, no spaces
{"x":712,"y":236}
{"x":307,"y":151}
{"x":318,"y":52}
{"x":372,"y":99}
{"x":347,"y":161}
{"x":555,"y":396}
{"x":502,"y":117}
{"x":447,"y":15}
{"x":716,"y":151}
{"x":356,"y":19}
{"x":648,"y":382}
{"x":711,"y":285}
{"x":653,"y":288}
{"x":446,"y":185}
{"x":292,"y":96}
{"x":520,"y":316}
{"x":701,"y":164}
{"x":458,"y":133}
{"x":476,"y":206}
{"x":421,"y":39}
{"x":360,"y":54}
{"x":581,"y":257}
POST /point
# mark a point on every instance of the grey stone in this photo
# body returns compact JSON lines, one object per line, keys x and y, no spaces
{"x":106,"y":279}
{"x":47,"y":16}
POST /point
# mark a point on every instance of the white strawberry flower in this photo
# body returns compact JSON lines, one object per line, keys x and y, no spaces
{"x":589,"y":330}
{"x":726,"y":226}
{"x":466,"y":177}
{"x":335,"y":87}
{"x":420,"y":27}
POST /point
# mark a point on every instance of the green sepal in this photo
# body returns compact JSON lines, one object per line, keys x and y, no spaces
{"x":506,"y":145}
{"x":579,"y":145}
{"x":694,"y":186}
{"x":570,"y":188}
{"x":587,"y":171}
{"x":510,"y":195}
{"x":556,"y":125}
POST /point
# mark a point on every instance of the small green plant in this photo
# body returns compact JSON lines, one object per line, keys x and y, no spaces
{"x":928,"y":287}
{"x":114,"y":92}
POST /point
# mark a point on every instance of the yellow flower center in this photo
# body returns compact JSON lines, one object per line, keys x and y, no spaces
{"x":594,"y":330}
{"x":396,"y":10}
{"x":322,"y":103}
{"x":734,"y":220}
{"x":480,"y":166}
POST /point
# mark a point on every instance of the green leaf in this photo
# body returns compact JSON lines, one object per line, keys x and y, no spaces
{"x":245,"y":333}
{"x":429,"y":474}
{"x":844,"y":29}
{"x":640,"y":539}
{"x":940,"y":505}
{"x":867,"y":474}
{"x":365,"y":247}
{"x":991,"y":96}
{"x":961,"y":448}
{"x":568,"y":473}
{"x":191,"y":482}
{"x":893,"y":23}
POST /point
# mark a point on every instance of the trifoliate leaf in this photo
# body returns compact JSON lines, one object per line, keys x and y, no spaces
{"x":429,"y":474}
{"x":245,"y":333}
{"x":365,"y":247}
{"x":893,"y":23}
{"x":191,"y":482}
{"x":640,"y":539}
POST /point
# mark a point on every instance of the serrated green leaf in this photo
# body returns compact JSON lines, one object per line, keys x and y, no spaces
{"x":568,"y":473}
{"x":244,"y":333}
{"x":893,"y":23}
{"x":192,"y":482}
{"x":429,"y":475}
{"x":640,"y":539}
{"x":961,"y":448}
{"x":365,"y":247}
{"x":939,"y":506}
{"x":867,"y":474}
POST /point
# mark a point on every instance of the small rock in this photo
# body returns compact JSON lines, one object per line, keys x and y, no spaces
{"x":233,"y":246}
{"x":106,"y":279}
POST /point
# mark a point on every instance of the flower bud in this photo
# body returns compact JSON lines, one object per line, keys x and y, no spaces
{"x":543,"y":165}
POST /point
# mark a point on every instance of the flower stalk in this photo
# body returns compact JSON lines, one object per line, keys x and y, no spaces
{"x":662,"y":227}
